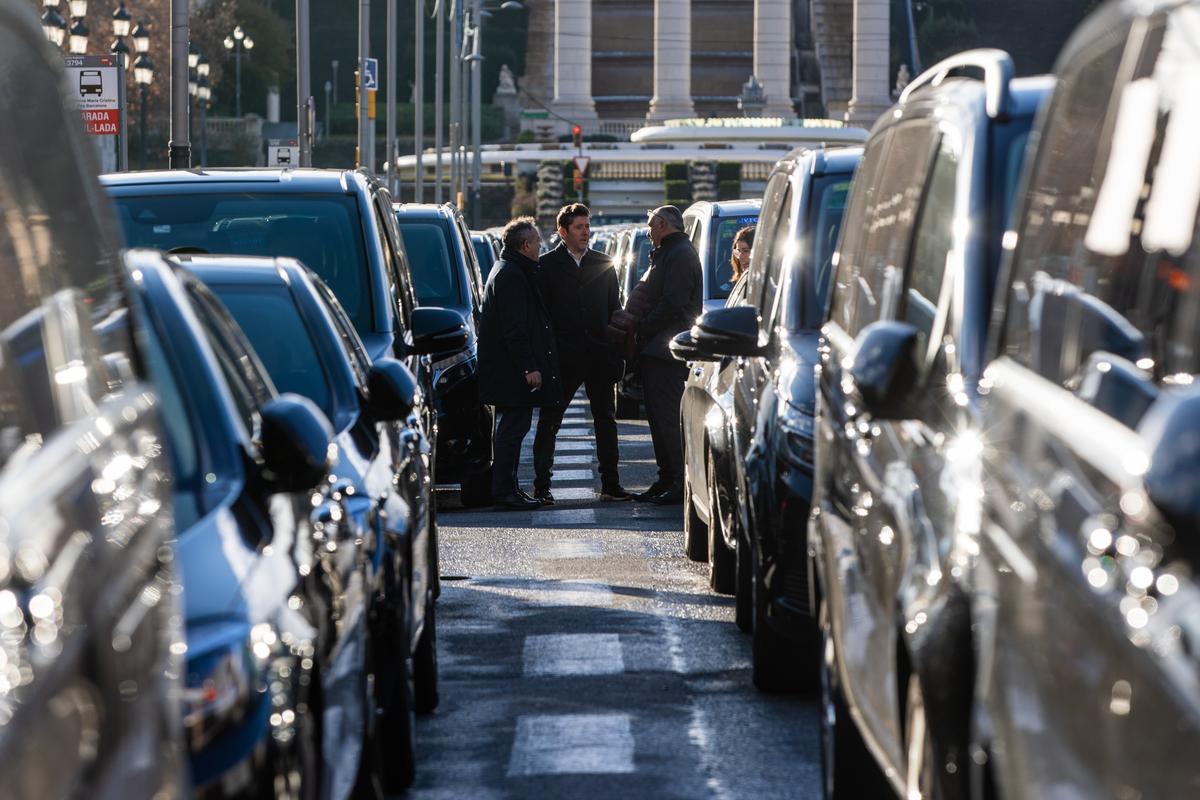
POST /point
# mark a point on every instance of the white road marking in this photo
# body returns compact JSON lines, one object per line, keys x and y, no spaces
{"x":575,"y":431}
{"x":572,"y":744}
{"x":578,"y":593}
{"x":572,"y":548}
{"x":574,"y":493}
{"x":567,"y":516}
{"x":564,"y":446}
{"x":573,"y":475}
{"x":573,"y":459}
{"x":564,"y":654}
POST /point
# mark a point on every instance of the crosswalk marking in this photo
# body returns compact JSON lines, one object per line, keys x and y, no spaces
{"x":578,"y":593}
{"x":572,"y":548}
{"x":571,"y":445}
{"x":573,"y":475}
{"x":572,"y":744}
{"x":565,"y":654}
{"x":580,"y":458}
{"x":574,"y":493}
{"x":574,"y":431}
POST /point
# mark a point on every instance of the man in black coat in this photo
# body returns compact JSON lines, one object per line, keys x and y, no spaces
{"x":673,"y":289}
{"x":518,"y":360}
{"x":579,"y":286}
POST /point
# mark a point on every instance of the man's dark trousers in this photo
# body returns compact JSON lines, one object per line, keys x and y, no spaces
{"x":511,"y":426}
{"x":662,"y":388}
{"x":595,"y":375}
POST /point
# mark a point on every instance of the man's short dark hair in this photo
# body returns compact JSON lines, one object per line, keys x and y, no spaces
{"x":518,"y":232}
{"x":568,"y":214}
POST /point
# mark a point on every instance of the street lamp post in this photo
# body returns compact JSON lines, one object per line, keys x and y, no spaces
{"x":204,"y":95}
{"x":328,"y":103}
{"x":143,"y":76}
{"x":79,"y":29}
{"x":53,"y":24}
{"x":235,"y":43}
{"x":121,"y":20}
{"x":334,"y":65}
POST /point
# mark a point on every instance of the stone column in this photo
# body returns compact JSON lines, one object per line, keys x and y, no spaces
{"x":773,"y":55}
{"x":871,"y":63}
{"x":672,"y":61}
{"x":573,"y":60}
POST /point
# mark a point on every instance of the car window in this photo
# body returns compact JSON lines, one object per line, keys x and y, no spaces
{"x":434,"y":273}
{"x":396,"y":258}
{"x":826,"y":211}
{"x":778,"y":186}
{"x":720,"y":267}
{"x":323,"y":231}
{"x":932,"y":244}
{"x":872,"y":261}
{"x":776,"y":257}
{"x":282,"y":340}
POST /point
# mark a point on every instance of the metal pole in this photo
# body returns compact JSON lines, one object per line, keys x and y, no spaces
{"x":455,"y":92}
{"x":390,"y":97}
{"x":142,"y":128}
{"x":204,"y":133}
{"x":335,"y":66}
{"x":438,"y":110}
{"x":180,"y":148}
{"x":303,"y":84}
{"x":913,"y":54}
{"x":419,"y":105}
{"x":237,"y":71}
{"x":476,"y":112}
{"x":464,"y":112}
{"x":328,"y":102}
{"x":364,"y":43}
{"x":123,"y":150}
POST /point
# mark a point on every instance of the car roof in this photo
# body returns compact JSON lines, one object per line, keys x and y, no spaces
{"x":423,"y":210}
{"x":284,"y":179}
{"x":247,"y":270}
{"x":736,"y":208}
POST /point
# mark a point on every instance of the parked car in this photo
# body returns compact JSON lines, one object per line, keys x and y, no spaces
{"x":89,"y":645}
{"x":310,"y":348}
{"x":901,"y":354}
{"x":749,"y":451}
{"x":339,"y":223}
{"x":711,"y":227}
{"x":487,"y":252}
{"x":274,"y":609}
{"x":631,"y":262}
{"x":445,"y":273}
{"x":1084,"y":594}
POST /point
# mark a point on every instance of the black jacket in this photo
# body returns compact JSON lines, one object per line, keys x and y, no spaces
{"x":674,"y":287}
{"x":515,"y":337}
{"x":581,"y":299}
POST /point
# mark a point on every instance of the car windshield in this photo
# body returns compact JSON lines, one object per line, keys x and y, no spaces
{"x":285,"y":345}
{"x":720,"y":248}
{"x":321,"y":230}
{"x":435,"y":278}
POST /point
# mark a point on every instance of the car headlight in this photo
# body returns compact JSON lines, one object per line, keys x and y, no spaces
{"x":794,"y":436}
{"x":217,"y":692}
{"x":451,"y":370}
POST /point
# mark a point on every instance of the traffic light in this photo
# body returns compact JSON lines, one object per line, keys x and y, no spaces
{"x":577,"y":135}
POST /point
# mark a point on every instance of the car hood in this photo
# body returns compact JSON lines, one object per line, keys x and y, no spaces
{"x":797,"y":381}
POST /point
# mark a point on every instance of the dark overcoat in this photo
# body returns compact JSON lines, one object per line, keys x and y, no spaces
{"x":581,"y":299}
{"x":673,"y":289}
{"x":515,"y":337}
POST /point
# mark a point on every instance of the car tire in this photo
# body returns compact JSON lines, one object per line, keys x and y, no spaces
{"x":475,"y":490}
{"x":425,"y":662}
{"x":848,"y":770}
{"x":743,"y":614}
{"x":722,"y":562}
{"x":777,"y":662}
{"x":695,"y":532}
{"x":394,"y":701}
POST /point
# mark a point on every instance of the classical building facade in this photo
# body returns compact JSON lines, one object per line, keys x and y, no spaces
{"x":613,"y":65}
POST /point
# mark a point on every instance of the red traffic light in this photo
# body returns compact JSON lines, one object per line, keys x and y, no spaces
{"x":577,"y":135}
{"x":576,"y":130}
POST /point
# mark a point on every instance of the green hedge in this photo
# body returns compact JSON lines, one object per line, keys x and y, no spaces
{"x":675,"y":171}
{"x":678,"y":189}
{"x":729,"y":190}
{"x":728,"y":171}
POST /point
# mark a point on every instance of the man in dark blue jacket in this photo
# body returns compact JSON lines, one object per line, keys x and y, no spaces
{"x":518,"y":360}
{"x":672,"y":289}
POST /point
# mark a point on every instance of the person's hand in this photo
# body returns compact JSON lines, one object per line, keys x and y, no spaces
{"x":534,"y":379}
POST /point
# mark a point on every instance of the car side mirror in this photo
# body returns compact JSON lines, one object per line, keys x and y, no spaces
{"x":683,"y":348}
{"x":886,"y":368}
{"x":729,"y":331}
{"x":438,"y":332}
{"x":297,"y":443}
{"x":1171,"y":430}
{"x":393,"y":390}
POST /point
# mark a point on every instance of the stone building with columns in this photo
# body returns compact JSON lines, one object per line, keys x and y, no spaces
{"x":613,"y":65}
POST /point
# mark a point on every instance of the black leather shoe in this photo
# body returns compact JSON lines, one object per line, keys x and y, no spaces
{"x":515,"y":502}
{"x":671,"y":497}
{"x":615,"y":493}
{"x":527,"y":496}
{"x":543,"y":497}
{"x":655,"y":490}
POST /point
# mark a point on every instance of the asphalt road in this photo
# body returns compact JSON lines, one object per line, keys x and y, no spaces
{"x":582,"y":655}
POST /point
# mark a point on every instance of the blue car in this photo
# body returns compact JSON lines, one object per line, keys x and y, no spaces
{"x":277,"y":683}
{"x":383,"y":467}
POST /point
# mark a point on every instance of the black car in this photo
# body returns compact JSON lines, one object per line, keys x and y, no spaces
{"x":310,"y":348}
{"x":445,"y":273}
{"x":711,"y":227}
{"x":338,"y":223}
{"x":631,"y":262}
{"x":275,"y":611}
{"x":89,"y":633}
{"x":487,"y":252}
{"x":896,"y":456}
{"x":758,"y":449}
{"x":1084,"y":591}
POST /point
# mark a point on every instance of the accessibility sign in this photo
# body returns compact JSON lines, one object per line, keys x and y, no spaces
{"x":95,"y":82}
{"x":372,"y":79}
